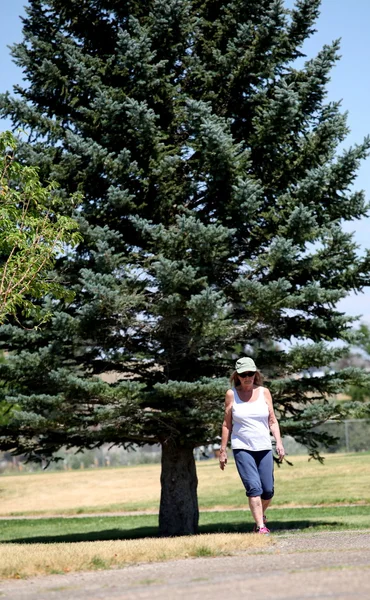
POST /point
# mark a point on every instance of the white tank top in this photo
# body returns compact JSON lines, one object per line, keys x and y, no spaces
{"x":250,"y":424}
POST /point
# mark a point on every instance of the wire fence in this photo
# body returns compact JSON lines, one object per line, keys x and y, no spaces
{"x":351,"y":435}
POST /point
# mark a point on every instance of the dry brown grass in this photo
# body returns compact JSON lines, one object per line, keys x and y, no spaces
{"x":342,"y":478}
{"x":24,"y":560}
{"x":53,"y":493}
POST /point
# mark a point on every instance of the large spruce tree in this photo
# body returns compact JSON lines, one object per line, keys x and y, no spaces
{"x":215,"y":195}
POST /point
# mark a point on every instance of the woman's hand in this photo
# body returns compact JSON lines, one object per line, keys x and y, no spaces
{"x":223,"y":459}
{"x":280,"y":450}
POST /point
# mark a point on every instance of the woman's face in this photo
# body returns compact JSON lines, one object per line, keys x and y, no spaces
{"x":247,"y":377}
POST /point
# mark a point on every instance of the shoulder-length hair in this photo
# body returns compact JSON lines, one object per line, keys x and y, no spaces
{"x":235,"y":381}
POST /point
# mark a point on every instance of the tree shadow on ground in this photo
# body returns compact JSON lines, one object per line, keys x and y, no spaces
{"x":152,"y":532}
{"x":274,"y":526}
{"x":89,"y":536}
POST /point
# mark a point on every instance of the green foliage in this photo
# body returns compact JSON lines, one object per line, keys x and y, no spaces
{"x":363,"y":338}
{"x":32,"y":233}
{"x":214,"y":198}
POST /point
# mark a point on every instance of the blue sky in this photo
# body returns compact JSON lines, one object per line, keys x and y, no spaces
{"x":350,"y":83}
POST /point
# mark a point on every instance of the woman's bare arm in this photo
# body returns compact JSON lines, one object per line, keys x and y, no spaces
{"x":274,"y":425}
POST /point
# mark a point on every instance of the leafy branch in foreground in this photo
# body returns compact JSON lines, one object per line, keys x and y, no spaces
{"x":33,"y":232}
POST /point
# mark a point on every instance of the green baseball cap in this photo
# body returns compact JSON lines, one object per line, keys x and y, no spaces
{"x":245,"y":364}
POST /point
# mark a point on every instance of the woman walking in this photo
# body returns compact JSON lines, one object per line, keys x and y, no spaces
{"x":249,"y":417}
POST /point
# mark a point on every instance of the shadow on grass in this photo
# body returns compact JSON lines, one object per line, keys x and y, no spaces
{"x":89,"y":536}
{"x":152,"y":532}
{"x":273,"y":525}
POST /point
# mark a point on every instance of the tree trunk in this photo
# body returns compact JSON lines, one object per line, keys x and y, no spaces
{"x":178,"y":514}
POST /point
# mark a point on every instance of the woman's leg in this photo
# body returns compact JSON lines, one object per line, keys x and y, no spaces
{"x":265,"y":465}
{"x":248,"y":471}
{"x":255,"y":505}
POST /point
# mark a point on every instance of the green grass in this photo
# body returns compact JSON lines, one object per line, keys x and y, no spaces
{"x":139,"y":526}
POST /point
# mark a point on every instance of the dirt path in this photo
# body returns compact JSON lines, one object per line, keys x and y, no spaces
{"x":296,"y":567}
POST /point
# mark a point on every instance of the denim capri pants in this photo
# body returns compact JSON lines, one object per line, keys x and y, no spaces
{"x":256,"y":470}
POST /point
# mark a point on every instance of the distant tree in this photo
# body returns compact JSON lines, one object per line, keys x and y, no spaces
{"x":363,"y":338}
{"x":214,"y":198}
{"x":360,"y":391}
